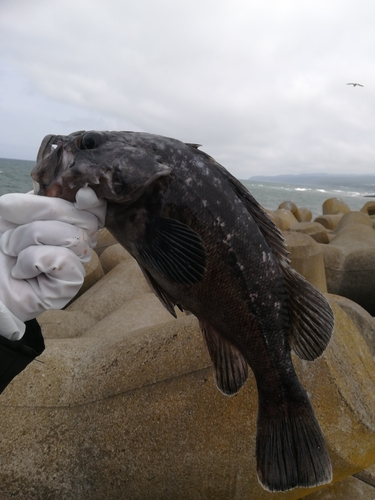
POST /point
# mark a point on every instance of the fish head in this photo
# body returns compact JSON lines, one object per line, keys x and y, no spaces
{"x":115,"y":168}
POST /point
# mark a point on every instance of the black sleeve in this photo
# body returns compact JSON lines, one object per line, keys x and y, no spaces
{"x":15,"y":355}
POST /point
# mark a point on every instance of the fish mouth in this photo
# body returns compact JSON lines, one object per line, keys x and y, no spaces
{"x":51,"y":163}
{"x":48,"y":156}
{"x":49,"y":144}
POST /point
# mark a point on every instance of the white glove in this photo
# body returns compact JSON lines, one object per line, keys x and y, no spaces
{"x":43,"y":243}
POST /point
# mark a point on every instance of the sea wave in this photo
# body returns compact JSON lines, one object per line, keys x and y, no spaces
{"x":271,"y":195}
{"x":348,"y":193}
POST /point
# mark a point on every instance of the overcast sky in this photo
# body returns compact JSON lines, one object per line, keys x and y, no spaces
{"x":260,"y":84}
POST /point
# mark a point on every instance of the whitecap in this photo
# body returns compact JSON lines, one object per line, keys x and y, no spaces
{"x":352,"y":194}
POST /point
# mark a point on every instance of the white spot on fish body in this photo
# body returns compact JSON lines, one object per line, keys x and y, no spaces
{"x":227,"y":241}
{"x":264,"y":256}
{"x":242,"y":267}
{"x":204,"y":203}
{"x":220,"y":222}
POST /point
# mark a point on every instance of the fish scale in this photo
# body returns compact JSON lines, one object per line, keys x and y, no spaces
{"x":205,"y":245}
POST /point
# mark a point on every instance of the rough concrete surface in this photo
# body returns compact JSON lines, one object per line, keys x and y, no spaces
{"x":138,"y":416}
{"x":123,"y":403}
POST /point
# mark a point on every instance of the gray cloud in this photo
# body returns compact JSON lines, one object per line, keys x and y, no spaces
{"x":262,"y":85}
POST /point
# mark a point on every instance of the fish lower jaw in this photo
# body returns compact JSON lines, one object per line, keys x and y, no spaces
{"x":57,"y":189}
{"x":54,"y":191}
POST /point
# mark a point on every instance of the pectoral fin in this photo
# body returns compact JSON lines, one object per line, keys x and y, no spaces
{"x":173,"y":249}
{"x":164,"y":298}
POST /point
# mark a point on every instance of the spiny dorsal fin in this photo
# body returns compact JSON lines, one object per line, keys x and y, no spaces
{"x":268,"y":228}
{"x":312,"y":319}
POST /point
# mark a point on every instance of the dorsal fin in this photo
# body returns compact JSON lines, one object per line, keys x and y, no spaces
{"x":268,"y":228}
{"x":312,"y":320}
{"x":311,"y":316}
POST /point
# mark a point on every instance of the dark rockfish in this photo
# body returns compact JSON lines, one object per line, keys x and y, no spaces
{"x":205,"y":245}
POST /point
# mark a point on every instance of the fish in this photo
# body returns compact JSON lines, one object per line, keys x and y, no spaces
{"x":206,"y":246}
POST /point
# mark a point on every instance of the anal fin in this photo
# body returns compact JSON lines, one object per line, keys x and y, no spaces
{"x":230,"y":367}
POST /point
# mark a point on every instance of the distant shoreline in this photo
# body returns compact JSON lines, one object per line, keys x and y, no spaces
{"x":317,"y":179}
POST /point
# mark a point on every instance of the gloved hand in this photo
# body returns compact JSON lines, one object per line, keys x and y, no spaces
{"x":43,"y":243}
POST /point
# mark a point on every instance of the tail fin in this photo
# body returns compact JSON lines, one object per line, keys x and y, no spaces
{"x":290,"y":447}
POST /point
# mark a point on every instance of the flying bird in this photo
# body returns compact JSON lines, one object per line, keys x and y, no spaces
{"x":354,"y":84}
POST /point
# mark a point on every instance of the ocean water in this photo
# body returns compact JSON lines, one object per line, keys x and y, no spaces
{"x":15,"y":176}
{"x":271,"y":194}
{"x":355,"y":191}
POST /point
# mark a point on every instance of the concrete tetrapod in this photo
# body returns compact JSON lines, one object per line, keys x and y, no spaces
{"x":112,"y":256}
{"x":306,"y":257}
{"x":349,"y":261}
{"x":302,"y":214}
{"x":333,"y":206}
{"x":314,"y":229}
{"x":138,"y":416}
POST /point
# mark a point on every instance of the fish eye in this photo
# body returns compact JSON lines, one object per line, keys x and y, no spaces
{"x":88,"y":141}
